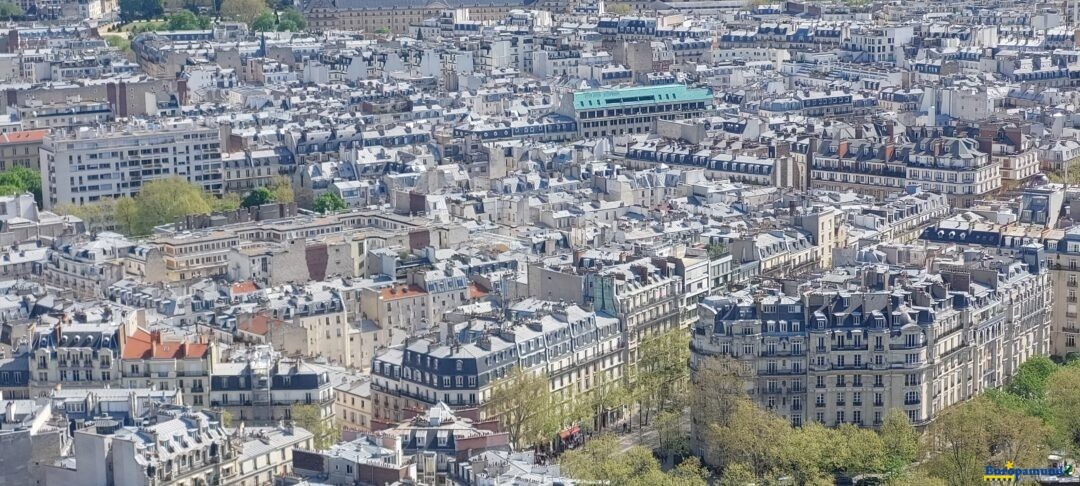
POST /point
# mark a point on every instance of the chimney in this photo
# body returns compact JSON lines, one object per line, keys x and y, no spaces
{"x":842,"y":149}
{"x":9,"y":412}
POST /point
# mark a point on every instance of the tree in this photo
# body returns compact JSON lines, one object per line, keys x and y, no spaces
{"x":858,"y":451}
{"x":382,"y":31}
{"x":901,"y":441}
{"x":1063,"y":403}
{"x":619,"y":9}
{"x":310,"y":418}
{"x":257,"y":197}
{"x":329,"y":202}
{"x":737,"y":474}
{"x":961,"y":444}
{"x":132,"y":10}
{"x":715,"y":250}
{"x":524,"y":405}
{"x":119,"y":42}
{"x":661,"y":374}
{"x":265,"y":22}
{"x":245,"y":11}
{"x":292,"y":21}
{"x":97,"y":216}
{"x":18,"y":180}
{"x":227,"y":202}
{"x":282,"y":189}
{"x":186,"y":20}
{"x":161,"y":202}
{"x":673,"y":441}
{"x":601,"y":460}
{"x":10,"y":11}
{"x":749,"y":435}
{"x":719,"y":383}
{"x":226,"y":418}
{"x":1029,"y":382}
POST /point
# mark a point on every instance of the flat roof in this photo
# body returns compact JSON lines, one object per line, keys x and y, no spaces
{"x":639,"y":95}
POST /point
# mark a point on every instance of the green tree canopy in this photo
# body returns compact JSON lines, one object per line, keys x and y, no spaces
{"x":329,"y":202}
{"x":601,"y":459}
{"x":310,"y":418}
{"x":18,"y":180}
{"x":265,"y":22}
{"x":132,"y":10}
{"x":292,"y":21}
{"x":1030,"y":379}
{"x":10,"y":11}
{"x":900,"y":439}
{"x":186,"y":20}
{"x":245,"y":11}
{"x":1063,"y":403}
{"x":160,"y":202}
{"x":282,"y":189}
{"x":257,"y":197}
{"x":525,"y":406}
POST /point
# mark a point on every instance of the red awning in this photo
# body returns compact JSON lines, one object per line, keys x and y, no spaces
{"x":566,"y":434}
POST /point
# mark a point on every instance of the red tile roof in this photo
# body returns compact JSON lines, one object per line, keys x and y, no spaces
{"x":475,"y":292}
{"x":23,"y":137}
{"x":146,"y":345}
{"x":256,"y":324}
{"x":401,"y":292}
{"x":243,"y":288}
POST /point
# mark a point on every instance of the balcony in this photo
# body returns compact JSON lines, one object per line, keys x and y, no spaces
{"x":879,"y":404}
{"x":912,"y":402}
{"x":1072,"y":329}
{"x":841,"y":404}
{"x":820,"y":404}
{"x":857,"y":403}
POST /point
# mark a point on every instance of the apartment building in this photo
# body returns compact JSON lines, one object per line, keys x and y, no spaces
{"x":152,"y":361}
{"x":578,"y":349}
{"x":623,"y":111}
{"x":645,"y":295}
{"x":396,"y":16}
{"x":1063,"y":257}
{"x":37,"y":114}
{"x":353,"y":404}
{"x":76,"y":355}
{"x":258,"y":386}
{"x":860,"y":165}
{"x":87,"y":164}
{"x":314,"y":324}
{"x":181,"y":447}
{"x":87,"y":267}
{"x":954,"y":167}
{"x":850,"y":348}
{"x":21,"y":149}
{"x":190,"y":256}
{"x":250,"y":169}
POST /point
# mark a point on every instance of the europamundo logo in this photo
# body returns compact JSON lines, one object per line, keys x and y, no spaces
{"x":1013,"y":474}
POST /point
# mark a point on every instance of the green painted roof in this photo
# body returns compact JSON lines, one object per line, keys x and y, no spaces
{"x":638,"y":95}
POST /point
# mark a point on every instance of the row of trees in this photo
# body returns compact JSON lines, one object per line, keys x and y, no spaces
{"x":256,"y":13}
{"x":749,"y":444}
{"x":603,"y":460}
{"x":1033,"y":415}
{"x":1037,"y":412}
{"x":167,"y":201}
{"x":532,"y":414}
